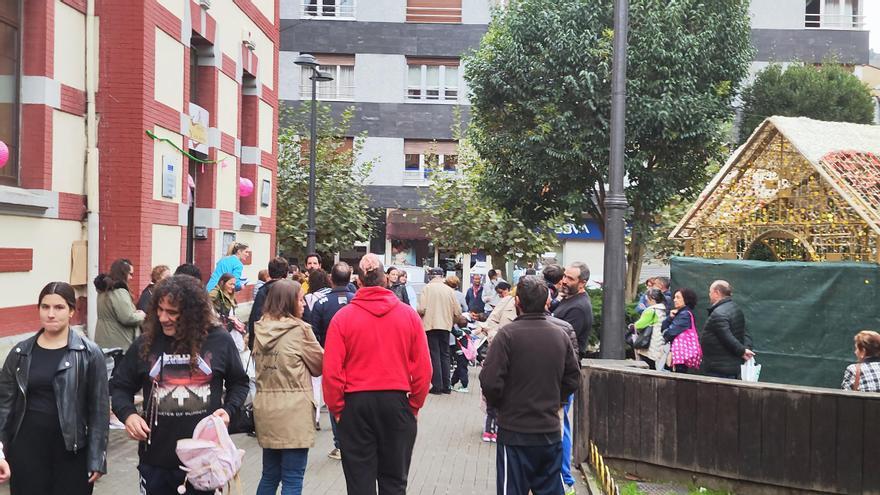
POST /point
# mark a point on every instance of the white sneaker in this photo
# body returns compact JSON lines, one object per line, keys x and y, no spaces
{"x":463,"y":390}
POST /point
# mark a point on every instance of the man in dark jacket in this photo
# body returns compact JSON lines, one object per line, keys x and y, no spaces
{"x":325,"y":308}
{"x":575,"y":307}
{"x":474,"y":296}
{"x":529,"y":397}
{"x":726,"y":343}
{"x":278,"y":269}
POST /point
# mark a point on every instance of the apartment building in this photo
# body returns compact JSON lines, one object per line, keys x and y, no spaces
{"x":397,"y":62}
{"x":131,"y":126}
{"x":809,"y":31}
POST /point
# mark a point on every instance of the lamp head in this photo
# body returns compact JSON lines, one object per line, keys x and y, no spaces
{"x":322,"y":76}
{"x":306,"y":60}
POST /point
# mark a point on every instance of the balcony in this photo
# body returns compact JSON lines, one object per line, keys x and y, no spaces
{"x":328,"y":9}
{"x":851,"y":22}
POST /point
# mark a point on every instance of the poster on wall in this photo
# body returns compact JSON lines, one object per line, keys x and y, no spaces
{"x":169,"y":177}
{"x":402,"y":253}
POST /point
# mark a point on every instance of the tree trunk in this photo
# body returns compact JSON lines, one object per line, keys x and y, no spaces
{"x":634,"y":255}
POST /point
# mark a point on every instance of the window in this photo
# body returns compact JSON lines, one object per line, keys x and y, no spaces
{"x":448,"y":11}
{"x":328,"y":9}
{"x":341,"y":68}
{"x":432,"y":80}
{"x":412,"y":162}
{"x":423,"y":157}
{"x":10,"y":74}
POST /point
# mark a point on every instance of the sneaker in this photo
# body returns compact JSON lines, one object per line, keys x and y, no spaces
{"x":317,"y":426}
{"x":463,"y":390}
{"x":335,"y":454}
{"x":487,"y":437}
{"x":569,"y":490}
{"x":115,"y":424}
{"x":494,"y":438}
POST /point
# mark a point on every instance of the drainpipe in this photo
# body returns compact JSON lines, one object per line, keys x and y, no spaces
{"x":91,"y":182}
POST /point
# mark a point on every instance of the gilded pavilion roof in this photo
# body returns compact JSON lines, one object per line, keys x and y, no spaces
{"x":781,"y":154}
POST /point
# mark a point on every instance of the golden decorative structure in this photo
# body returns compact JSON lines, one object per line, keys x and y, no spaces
{"x":797,"y":190}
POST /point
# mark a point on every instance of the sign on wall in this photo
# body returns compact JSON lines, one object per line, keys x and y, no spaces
{"x":265,"y":193}
{"x":198,"y":128}
{"x":588,"y":230}
{"x":169,"y":177}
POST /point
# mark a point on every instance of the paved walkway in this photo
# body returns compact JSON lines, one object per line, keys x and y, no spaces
{"x":449,"y":457}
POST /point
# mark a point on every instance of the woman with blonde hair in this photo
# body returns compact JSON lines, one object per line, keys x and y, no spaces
{"x":287,"y":355}
{"x":864,"y":376}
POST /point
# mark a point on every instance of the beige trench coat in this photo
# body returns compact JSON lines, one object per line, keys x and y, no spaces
{"x":286,"y":356}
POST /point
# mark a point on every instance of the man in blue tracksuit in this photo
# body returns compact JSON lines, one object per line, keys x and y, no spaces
{"x":325,"y":308}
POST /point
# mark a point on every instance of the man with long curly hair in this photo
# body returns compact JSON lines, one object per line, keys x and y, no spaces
{"x":188,"y":367}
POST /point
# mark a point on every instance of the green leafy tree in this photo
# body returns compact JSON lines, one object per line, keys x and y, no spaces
{"x":466,"y":218}
{"x":828,"y":92}
{"x":342,"y":214}
{"x":541,"y":102}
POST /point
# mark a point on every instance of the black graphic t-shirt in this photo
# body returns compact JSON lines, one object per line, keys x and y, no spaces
{"x":183,"y":395}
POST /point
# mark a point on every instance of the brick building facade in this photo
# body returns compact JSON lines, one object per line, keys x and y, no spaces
{"x":201,"y":77}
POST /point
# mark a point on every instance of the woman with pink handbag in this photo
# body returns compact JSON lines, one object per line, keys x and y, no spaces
{"x":679,"y":329}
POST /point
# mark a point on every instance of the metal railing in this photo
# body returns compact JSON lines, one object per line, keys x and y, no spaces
{"x":603,"y":473}
{"x":332,"y":9}
{"x":835,"y":21}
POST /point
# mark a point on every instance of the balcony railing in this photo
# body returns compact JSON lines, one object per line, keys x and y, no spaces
{"x":835,"y":21}
{"x":328,"y":9}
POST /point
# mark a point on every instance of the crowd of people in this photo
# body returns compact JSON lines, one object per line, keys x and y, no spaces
{"x":361,"y":342}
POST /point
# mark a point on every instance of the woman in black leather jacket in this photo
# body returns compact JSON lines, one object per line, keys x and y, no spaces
{"x":54,"y":406}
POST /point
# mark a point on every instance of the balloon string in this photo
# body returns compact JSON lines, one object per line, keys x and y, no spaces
{"x":178,"y":148}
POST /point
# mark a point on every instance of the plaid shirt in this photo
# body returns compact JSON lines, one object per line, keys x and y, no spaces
{"x":870,"y":376}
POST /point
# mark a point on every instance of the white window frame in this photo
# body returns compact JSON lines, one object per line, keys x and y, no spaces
{"x":420,"y":176}
{"x":349,"y":15}
{"x":442,"y":96}
{"x":305,"y":84}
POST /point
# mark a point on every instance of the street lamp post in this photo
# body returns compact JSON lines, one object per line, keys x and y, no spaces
{"x":308,"y":62}
{"x":615,"y":201}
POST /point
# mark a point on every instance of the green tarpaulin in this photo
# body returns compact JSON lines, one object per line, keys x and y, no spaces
{"x":802,"y":316}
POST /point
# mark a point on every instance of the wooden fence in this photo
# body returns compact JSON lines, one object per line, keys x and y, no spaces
{"x":797,"y":438}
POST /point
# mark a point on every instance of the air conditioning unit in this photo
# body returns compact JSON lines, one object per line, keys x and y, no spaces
{"x":205,"y":4}
{"x":248,"y":39}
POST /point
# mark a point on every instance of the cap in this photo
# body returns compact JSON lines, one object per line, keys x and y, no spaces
{"x":436,"y":271}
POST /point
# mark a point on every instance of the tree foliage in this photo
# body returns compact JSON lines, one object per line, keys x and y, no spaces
{"x":828,"y":92}
{"x":342,"y":216}
{"x":541,"y":99}
{"x":466,"y":218}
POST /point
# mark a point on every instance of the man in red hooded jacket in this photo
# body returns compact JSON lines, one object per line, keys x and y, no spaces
{"x":377,"y":371}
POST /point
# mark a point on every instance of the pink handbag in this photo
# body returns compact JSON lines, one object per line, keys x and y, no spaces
{"x":210,"y":459}
{"x":686,"y":348}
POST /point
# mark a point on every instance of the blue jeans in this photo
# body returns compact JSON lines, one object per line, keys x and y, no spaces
{"x":333,"y":427}
{"x":567,"y":478}
{"x":287,"y":466}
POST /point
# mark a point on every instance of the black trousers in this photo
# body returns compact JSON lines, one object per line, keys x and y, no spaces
{"x":377,"y":431}
{"x":461,"y":369}
{"x":535,"y":469}
{"x":41,"y":463}
{"x":438,"y":344}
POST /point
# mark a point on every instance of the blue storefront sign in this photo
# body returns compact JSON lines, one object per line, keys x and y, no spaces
{"x":587,"y":230}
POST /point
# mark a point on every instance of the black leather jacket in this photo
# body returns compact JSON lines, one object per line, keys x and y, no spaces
{"x":724,"y":338}
{"x":80,"y":394}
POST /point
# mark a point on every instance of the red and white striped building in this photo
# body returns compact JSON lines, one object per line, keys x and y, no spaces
{"x":81,"y":84}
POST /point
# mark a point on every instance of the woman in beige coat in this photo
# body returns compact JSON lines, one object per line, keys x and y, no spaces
{"x":286,"y":355}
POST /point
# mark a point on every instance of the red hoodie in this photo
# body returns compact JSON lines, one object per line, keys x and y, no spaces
{"x":375,"y":343}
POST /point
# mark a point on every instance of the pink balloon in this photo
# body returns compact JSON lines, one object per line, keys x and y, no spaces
{"x":245,"y":187}
{"x":4,"y":154}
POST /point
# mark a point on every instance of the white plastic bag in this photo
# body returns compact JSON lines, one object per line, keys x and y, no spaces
{"x":750,"y":372}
